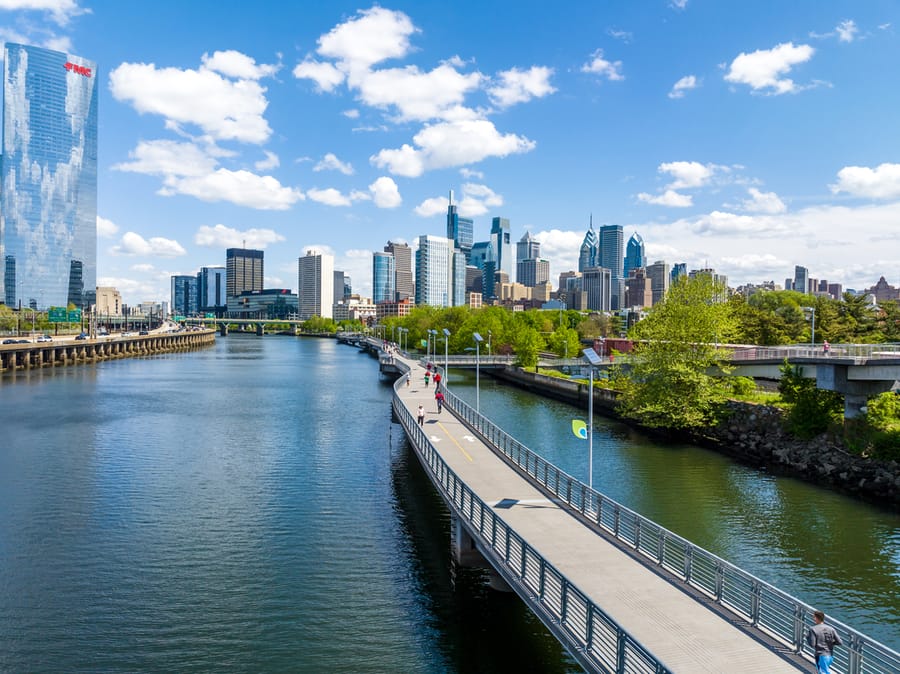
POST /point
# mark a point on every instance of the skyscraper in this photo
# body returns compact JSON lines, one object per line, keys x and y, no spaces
{"x":611,"y":240}
{"x":589,"y":255}
{"x":48,"y":178}
{"x":403,"y":274}
{"x":439,"y":276}
{"x":184,"y":295}
{"x":211,"y":282}
{"x":533,"y":272}
{"x":527,"y":248}
{"x":460,"y":230}
{"x":243,"y":270}
{"x":659,"y":275}
{"x":502,"y":245}
{"x":315,"y":285}
{"x":634,"y":254}
{"x":383,"y":274}
{"x":801,"y":279}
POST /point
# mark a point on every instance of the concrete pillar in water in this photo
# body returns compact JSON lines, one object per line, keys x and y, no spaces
{"x":260,"y":330}
{"x":223,"y":329}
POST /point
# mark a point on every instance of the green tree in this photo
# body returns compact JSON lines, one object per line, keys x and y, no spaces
{"x":669,"y":384}
{"x":813,"y":410}
{"x":528,"y":344}
{"x":565,"y":343}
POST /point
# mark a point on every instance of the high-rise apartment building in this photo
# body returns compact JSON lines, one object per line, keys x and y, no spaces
{"x":460,"y":230}
{"x":383,"y":276}
{"x":440,"y":272}
{"x":184,"y":295}
{"x":211,"y":282}
{"x":243,"y":270}
{"x":634,"y":254}
{"x":315,"y":285}
{"x":403,"y":273}
{"x":341,"y":286}
{"x":638,"y":289}
{"x":48,"y":178}
{"x":502,"y":245}
{"x":527,"y":248}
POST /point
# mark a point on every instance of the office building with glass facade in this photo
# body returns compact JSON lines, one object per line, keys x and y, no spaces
{"x":383,"y":288}
{"x":243,"y":270}
{"x":48,"y":179}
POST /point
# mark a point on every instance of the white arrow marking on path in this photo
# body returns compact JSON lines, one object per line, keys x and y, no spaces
{"x":435,"y":438}
{"x":469,"y":438}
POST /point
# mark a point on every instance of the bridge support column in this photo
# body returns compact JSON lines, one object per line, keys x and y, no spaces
{"x":223,"y":330}
{"x":464,"y":551}
{"x":260,"y":330}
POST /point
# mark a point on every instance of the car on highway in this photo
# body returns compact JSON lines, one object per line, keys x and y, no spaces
{"x":10,"y":341}
{"x":83,"y":335}
{"x":44,"y":338}
{"x":22,"y":341}
{"x":143,"y":332}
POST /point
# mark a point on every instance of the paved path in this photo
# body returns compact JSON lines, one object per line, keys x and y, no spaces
{"x":685,"y":634}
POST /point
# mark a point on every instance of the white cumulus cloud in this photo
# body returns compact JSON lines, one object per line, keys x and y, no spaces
{"x":239,"y":187}
{"x":764,"y":69}
{"x":882,"y":182}
{"x":763,"y":202}
{"x":59,"y":10}
{"x":271,"y":161}
{"x":688,"y":174}
{"x":611,"y":70}
{"x":518,"y":86}
{"x":667,"y":198}
{"x":223,"y":107}
{"x":134,"y":244}
{"x":330,"y":162}
{"x":450,"y":144}
{"x":686,"y":83}
{"x":106,"y":229}
{"x":385,"y":193}
{"x":234,"y":64}
{"x":326,"y":75}
{"x":220,"y":236}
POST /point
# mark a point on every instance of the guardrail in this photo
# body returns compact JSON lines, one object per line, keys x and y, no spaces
{"x":855,"y":351}
{"x":764,"y":606}
{"x":596,"y":640}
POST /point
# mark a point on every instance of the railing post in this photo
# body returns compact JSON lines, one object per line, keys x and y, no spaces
{"x":855,"y":647}
{"x":688,"y":559}
{"x":798,"y":628}
{"x":720,"y":581}
{"x":755,"y":590}
{"x":620,"y":651}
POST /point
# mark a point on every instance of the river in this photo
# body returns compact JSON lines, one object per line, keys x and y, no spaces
{"x":251,"y":507}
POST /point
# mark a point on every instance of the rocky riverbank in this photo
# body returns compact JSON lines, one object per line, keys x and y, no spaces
{"x":755,"y":435}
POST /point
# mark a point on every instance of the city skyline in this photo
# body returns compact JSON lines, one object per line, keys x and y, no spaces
{"x":743,"y":137}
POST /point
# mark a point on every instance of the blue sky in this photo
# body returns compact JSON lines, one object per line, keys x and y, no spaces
{"x":745,"y":136}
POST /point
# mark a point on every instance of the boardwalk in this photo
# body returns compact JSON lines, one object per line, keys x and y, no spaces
{"x":685,"y":634}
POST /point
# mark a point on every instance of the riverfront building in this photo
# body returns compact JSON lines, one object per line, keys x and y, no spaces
{"x":244,"y":270}
{"x":383,"y":278}
{"x":502,"y":245}
{"x":48,"y":179}
{"x":211,"y":282}
{"x":184,"y":295}
{"x":460,"y":230}
{"x":315,"y":285}
{"x":404,"y":287}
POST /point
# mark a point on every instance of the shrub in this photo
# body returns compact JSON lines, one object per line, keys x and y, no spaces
{"x":813,"y":411}
{"x":743,"y":386}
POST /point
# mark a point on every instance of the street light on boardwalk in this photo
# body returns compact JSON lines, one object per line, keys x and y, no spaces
{"x":594,"y":360}
{"x":478,"y":340}
{"x":446,"y":359}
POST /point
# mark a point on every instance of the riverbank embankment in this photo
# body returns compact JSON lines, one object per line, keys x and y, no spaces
{"x":752,"y":434}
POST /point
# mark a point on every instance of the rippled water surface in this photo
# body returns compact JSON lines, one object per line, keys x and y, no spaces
{"x":248,"y":507}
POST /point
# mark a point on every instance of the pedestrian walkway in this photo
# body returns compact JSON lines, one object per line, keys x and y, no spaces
{"x":686,"y":634}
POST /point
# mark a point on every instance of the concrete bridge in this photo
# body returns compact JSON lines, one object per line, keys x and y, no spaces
{"x":621,"y":593}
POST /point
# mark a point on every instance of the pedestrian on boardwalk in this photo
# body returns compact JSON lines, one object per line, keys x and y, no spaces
{"x":420,"y":415}
{"x":427,"y":379}
{"x":826,"y":347}
{"x":439,"y":399}
{"x":437,"y":379}
{"x":407,"y":380}
{"x":823,"y":638}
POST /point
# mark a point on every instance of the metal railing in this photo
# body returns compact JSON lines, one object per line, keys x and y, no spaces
{"x":764,"y":606}
{"x":853,"y":351}
{"x":596,"y":640}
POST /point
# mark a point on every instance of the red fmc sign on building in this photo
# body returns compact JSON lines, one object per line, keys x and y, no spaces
{"x":81,"y":70}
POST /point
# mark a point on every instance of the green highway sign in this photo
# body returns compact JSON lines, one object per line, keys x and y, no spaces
{"x":58,"y":314}
{"x":179,"y":318}
{"x":75,"y":316}
{"x":210,"y":315}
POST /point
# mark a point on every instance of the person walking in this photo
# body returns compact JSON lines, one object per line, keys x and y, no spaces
{"x":437,"y":379}
{"x":420,"y":415}
{"x":407,"y":380}
{"x":823,"y":638}
{"x":439,"y":399}
{"x":826,"y":347}
{"x":427,"y":379}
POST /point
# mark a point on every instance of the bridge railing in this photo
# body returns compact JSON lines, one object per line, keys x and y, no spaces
{"x":855,"y":351}
{"x":764,"y":606}
{"x":598,"y":642}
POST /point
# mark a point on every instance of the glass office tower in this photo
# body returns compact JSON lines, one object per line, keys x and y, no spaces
{"x":48,"y":179}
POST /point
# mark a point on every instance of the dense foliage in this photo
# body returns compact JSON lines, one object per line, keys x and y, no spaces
{"x":812,"y":410}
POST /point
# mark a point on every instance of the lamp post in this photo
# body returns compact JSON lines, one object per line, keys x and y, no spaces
{"x":446,"y":351}
{"x":812,"y":311}
{"x":402,"y":331}
{"x":432,"y":342}
{"x":478,"y":340}
{"x":594,"y":360}
{"x":490,"y":352}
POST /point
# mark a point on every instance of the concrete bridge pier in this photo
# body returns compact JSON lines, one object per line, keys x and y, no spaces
{"x":869,"y":382}
{"x":260,"y":330}
{"x":467,"y":554}
{"x":223,"y":330}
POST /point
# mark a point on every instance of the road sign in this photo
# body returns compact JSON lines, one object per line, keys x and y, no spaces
{"x":179,"y":318}
{"x":210,"y":315}
{"x":75,"y":316}
{"x":58,"y":314}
